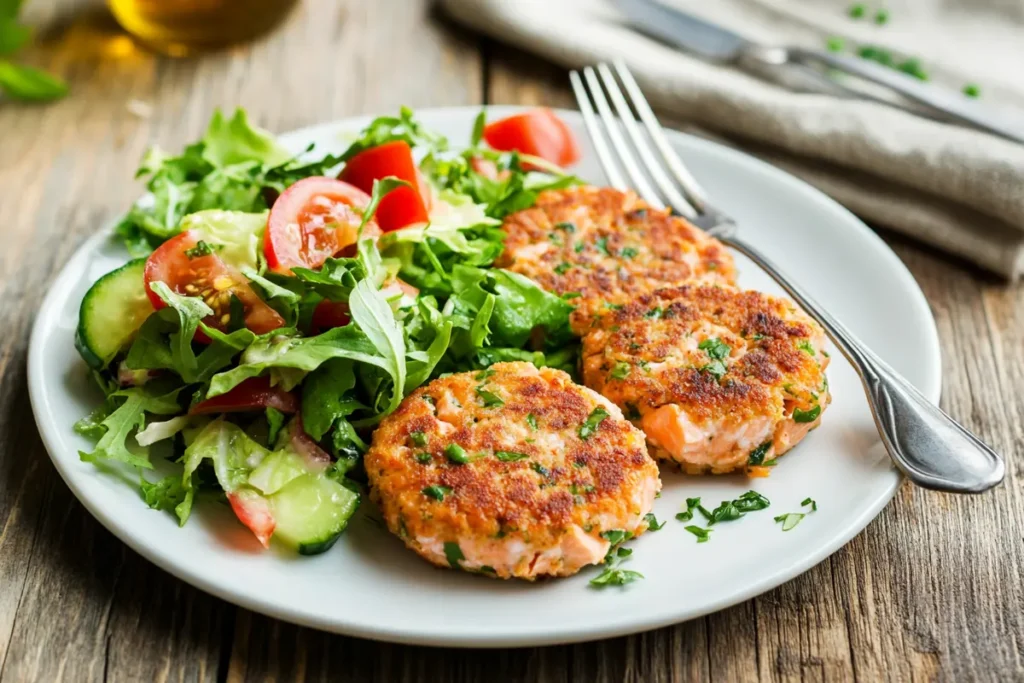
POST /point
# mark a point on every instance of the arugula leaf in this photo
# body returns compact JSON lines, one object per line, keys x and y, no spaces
{"x":27,"y":83}
{"x":404,"y":127}
{"x":275,"y":421}
{"x":373,"y":315}
{"x":13,"y":36}
{"x":327,"y":396}
{"x":126,"y":418}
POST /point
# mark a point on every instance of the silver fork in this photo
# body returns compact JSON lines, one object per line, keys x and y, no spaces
{"x":931,"y":448}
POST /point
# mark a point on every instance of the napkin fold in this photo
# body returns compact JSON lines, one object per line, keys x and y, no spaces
{"x":954,"y":188}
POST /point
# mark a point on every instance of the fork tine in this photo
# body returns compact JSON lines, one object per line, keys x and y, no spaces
{"x":675,"y":199}
{"x":604,"y":155}
{"x":694,"y":193}
{"x":611,"y":129}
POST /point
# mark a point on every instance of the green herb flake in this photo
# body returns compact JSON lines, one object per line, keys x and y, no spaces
{"x":654,"y":313}
{"x":803,"y":416}
{"x":972,"y":90}
{"x":687,"y":514}
{"x":201,"y":249}
{"x":531,"y":420}
{"x":578,"y":247}
{"x":540,"y":469}
{"x":652,"y":522}
{"x":857,"y":10}
{"x":437,"y":492}
{"x":602,"y":246}
{"x":510,"y":456}
{"x":629,"y":252}
{"x":489,"y":398}
{"x":590,"y":426}
{"x":453,"y":553}
{"x":835,"y":44}
{"x":423,"y":458}
{"x":716,"y":369}
{"x":621,"y":370}
{"x":566,"y":226}
{"x":562,"y":268}
{"x":703,"y":535}
{"x":756,"y":456}
{"x":790,"y":520}
{"x":805,"y":345}
{"x":809,"y":501}
{"x":615,"y":577}
{"x":616,"y":536}
{"x":715,"y":348}
{"x":456,"y":454}
{"x":418,"y":439}
{"x":484,"y":374}
{"x":882,"y":16}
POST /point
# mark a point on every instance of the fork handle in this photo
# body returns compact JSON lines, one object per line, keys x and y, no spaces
{"x":929,"y":446}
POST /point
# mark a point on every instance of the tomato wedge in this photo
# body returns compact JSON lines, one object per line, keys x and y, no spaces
{"x":206,"y":275}
{"x":254,"y":393}
{"x":538,"y":132}
{"x":314,"y":219}
{"x":253,"y":510}
{"x":402,"y":206}
{"x":329,"y":314}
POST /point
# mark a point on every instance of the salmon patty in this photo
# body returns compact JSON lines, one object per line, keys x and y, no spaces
{"x":719,"y":379}
{"x":512,"y":471}
{"x":608,"y":246}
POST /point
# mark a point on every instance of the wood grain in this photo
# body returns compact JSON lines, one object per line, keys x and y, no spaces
{"x":931,"y":590}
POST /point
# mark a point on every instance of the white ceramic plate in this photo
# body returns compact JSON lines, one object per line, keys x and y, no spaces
{"x":370,"y":585}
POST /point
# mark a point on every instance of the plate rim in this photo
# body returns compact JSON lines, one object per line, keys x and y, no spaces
{"x":542,"y":636}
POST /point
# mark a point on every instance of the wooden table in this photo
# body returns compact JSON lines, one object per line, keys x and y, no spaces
{"x":932,"y":589}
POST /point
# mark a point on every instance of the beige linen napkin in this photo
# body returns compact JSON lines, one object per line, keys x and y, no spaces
{"x":954,"y":188}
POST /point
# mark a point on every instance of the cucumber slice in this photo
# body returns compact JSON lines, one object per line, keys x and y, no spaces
{"x":277,"y":469}
{"x":311,"y":511}
{"x":112,"y":311}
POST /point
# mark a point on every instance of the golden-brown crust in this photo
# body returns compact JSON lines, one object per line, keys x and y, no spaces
{"x":647,"y":354}
{"x":563,"y":480}
{"x":608,"y":246}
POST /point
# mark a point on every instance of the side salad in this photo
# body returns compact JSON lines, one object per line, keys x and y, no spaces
{"x":279,"y":305}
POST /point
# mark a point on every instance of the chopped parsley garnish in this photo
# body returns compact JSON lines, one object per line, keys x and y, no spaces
{"x":652,"y":522}
{"x":810,"y":501}
{"x":201,"y":249}
{"x":418,"y":438}
{"x":806,"y":415}
{"x":715,"y":348}
{"x":882,"y":16}
{"x":857,"y":10}
{"x":805,"y":345}
{"x":703,"y":535}
{"x":531,"y":420}
{"x":578,"y":247}
{"x":716,"y":369}
{"x":540,"y":469}
{"x":456,"y":454}
{"x":610,"y":306}
{"x":436,"y":492}
{"x":510,"y":456}
{"x":630,"y":252}
{"x":653,"y":313}
{"x":423,"y":458}
{"x":687,"y":514}
{"x":566,"y":225}
{"x":453,"y":553}
{"x":730,"y":510}
{"x":489,"y":398}
{"x":835,"y":44}
{"x":484,"y":374}
{"x":789,"y":520}
{"x":972,"y":90}
{"x":555,"y":238}
{"x":562,"y":267}
{"x":590,"y":426}
{"x":616,"y":536}
{"x":645,"y":365}
{"x":621,"y":370}
{"x":612,"y":575}
{"x":602,"y":246}
{"x":756,"y":456}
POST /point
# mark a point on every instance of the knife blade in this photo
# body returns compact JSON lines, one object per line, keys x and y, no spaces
{"x":684,"y":30}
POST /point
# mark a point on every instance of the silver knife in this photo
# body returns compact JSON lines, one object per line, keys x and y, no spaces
{"x":721,"y":45}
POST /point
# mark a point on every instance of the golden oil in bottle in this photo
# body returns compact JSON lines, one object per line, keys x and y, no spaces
{"x":182,"y":27}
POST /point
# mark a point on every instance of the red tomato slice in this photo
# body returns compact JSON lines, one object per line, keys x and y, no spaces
{"x":403,"y":205}
{"x":253,"y":510}
{"x":538,"y":132}
{"x":329,"y":314}
{"x":313,"y":220}
{"x":210,"y":278}
{"x":254,"y":393}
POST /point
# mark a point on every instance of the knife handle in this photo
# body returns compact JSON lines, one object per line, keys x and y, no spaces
{"x":953,"y":105}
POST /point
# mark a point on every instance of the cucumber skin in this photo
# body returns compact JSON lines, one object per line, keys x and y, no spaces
{"x":326,"y":540}
{"x":320,"y":546}
{"x":82,"y":345}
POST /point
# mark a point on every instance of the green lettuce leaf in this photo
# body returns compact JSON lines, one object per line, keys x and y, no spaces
{"x":127,"y":415}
